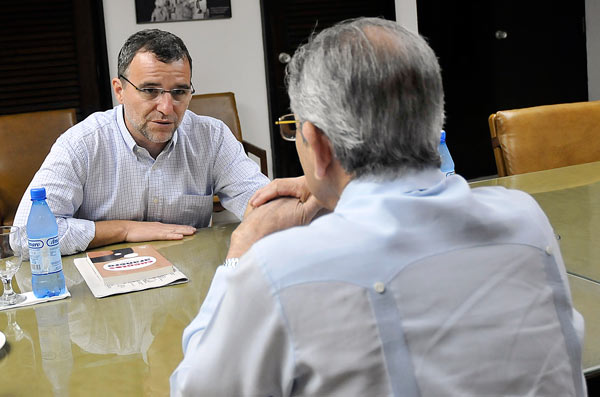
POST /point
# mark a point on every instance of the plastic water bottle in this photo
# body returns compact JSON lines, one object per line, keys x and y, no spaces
{"x":447,"y":162}
{"x":47,"y":278}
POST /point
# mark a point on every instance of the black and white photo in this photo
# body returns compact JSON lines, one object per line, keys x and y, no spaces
{"x":151,"y":11}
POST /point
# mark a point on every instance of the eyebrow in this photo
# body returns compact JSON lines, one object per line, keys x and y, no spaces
{"x":157,"y":85}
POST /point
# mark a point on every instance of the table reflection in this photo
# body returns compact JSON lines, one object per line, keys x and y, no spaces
{"x":20,"y":346}
{"x":125,"y":344}
{"x":575,"y":216}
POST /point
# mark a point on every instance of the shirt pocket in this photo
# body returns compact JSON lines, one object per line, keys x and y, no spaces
{"x":190,"y":209}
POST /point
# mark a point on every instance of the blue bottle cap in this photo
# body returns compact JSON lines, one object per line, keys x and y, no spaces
{"x":443,"y":136}
{"x":38,"y":193}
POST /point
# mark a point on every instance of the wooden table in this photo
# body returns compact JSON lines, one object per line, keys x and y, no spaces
{"x":570,"y":197}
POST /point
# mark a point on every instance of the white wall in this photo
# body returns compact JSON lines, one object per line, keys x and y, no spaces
{"x":592,"y":15}
{"x":227,"y":54}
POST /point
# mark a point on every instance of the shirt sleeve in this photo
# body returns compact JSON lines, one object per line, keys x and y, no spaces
{"x":239,"y":343}
{"x":63,"y":175}
{"x":236,"y":176}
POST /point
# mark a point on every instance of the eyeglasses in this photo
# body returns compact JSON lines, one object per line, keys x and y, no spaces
{"x":288,"y":125}
{"x":151,"y":93}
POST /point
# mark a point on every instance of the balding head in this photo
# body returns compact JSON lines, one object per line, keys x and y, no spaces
{"x":375,"y":90}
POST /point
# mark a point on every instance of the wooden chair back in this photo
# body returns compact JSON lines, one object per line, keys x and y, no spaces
{"x":222,"y":106}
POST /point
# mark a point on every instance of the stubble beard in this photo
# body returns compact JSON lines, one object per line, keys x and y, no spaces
{"x":154,"y":138}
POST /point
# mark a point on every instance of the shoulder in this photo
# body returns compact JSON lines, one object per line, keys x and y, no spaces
{"x":194,"y":125}
{"x":507,"y":201}
{"x":513,"y":213}
{"x":204,"y":131}
{"x":500,"y":193}
{"x":295,"y":255}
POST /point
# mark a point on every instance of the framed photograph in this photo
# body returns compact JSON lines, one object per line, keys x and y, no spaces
{"x":151,"y":11}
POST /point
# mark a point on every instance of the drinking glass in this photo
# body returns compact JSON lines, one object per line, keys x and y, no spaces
{"x":10,"y":262}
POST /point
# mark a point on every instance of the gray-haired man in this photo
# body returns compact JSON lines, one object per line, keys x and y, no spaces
{"x":415,"y":284}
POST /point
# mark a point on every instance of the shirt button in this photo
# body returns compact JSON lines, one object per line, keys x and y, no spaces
{"x":155,"y":200}
{"x":549,"y":250}
{"x":379,"y":287}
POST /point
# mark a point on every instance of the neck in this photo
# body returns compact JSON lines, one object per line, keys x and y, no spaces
{"x":152,"y":147}
{"x":338,"y":182}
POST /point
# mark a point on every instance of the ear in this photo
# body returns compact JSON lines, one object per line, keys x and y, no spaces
{"x":321,"y":149}
{"x":118,"y":89}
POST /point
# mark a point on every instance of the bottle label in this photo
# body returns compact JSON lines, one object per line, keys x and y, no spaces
{"x":44,"y":255}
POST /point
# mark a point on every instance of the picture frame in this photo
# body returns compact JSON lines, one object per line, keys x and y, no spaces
{"x":158,"y":11}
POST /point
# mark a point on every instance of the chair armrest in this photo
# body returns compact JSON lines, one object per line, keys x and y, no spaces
{"x":260,"y":153}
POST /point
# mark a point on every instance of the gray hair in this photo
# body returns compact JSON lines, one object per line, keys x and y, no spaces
{"x":164,"y":45}
{"x":375,"y":90}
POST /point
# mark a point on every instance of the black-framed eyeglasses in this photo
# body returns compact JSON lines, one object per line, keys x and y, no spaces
{"x":151,"y":93}
{"x":288,"y":126}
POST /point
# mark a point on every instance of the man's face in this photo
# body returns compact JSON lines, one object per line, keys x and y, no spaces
{"x":153,"y":121}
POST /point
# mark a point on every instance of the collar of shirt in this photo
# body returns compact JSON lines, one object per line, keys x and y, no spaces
{"x":413,"y":182}
{"x":129,"y":141}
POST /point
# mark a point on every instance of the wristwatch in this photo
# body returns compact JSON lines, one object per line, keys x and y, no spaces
{"x":231,"y":262}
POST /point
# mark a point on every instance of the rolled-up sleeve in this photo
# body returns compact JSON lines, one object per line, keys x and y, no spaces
{"x":63,"y":175}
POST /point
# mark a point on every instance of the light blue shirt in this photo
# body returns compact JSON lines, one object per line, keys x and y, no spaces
{"x":95,"y":171}
{"x":418,"y":286}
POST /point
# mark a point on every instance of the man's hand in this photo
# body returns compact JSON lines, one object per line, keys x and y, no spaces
{"x":271,"y":217}
{"x":286,"y":187}
{"x":110,"y":232}
{"x":147,"y":231}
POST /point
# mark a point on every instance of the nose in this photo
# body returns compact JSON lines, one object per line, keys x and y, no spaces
{"x":165,"y":103}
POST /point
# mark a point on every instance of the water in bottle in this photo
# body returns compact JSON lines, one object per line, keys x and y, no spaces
{"x":47,"y":278}
{"x":447,"y":166}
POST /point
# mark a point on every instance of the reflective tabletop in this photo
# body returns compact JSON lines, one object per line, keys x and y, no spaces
{"x":119,"y":345}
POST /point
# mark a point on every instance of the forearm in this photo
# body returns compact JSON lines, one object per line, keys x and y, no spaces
{"x":109,"y":232}
{"x":116,"y":231}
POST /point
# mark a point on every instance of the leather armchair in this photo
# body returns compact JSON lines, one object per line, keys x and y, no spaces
{"x":26,"y":139}
{"x":544,"y":137}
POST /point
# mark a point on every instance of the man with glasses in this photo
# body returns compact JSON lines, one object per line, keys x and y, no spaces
{"x":147,"y":169}
{"x":414,"y":285}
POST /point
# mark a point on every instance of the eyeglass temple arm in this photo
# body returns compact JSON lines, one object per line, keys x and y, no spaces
{"x":286,"y":121}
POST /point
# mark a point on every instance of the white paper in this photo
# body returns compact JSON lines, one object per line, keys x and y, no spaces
{"x":32,"y":300}
{"x":100,"y":290}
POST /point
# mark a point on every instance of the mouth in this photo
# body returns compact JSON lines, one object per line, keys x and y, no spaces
{"x":163,"y":122}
